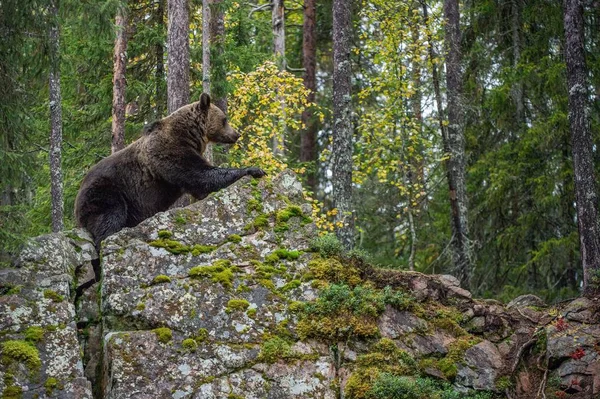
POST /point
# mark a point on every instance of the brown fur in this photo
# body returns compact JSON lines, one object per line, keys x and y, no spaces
{"x":150,"y":174}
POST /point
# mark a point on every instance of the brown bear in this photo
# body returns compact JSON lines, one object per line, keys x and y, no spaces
{"x":151,"y":173}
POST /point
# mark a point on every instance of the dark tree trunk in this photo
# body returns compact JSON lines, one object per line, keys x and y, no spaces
{"x":581,"y":139}
{"x":342,"y":117}
{"x":308,"y":140}
{"x":456,"y":144}
{"x":206,"y":46}
{"x":56,"y":182}
{"x":159,"y":51}
{"x":516,"y":39}
{"x":119,"y":82}
{"x":178,"y":78}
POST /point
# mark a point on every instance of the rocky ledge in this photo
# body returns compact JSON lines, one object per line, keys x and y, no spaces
{"x":237,"y":297}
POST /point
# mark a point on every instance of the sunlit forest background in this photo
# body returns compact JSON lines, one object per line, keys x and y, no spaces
{"x":523,"y":233}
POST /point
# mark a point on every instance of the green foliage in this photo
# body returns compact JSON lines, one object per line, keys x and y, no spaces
{"x":34,"y":334}
{"x":327,"y":245}
{"x":389,"y":386}
{"x":275,"y":349}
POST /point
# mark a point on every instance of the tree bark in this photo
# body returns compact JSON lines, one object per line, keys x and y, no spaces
{"x":516,"y":39}
{"x":178,"y":78}
{"x":56,"y":182}
{"x":178,"y":60}
{"x":119,"y":82}
{"x":342,"y":120}
{"x":160,"y":64}
{"x":217,"y":42}
{"x":581,"y":139}
{"x":456,"y":144}
{"x":206,"y":46}
{"x":308,"y":140}
{"x":278,"y":26}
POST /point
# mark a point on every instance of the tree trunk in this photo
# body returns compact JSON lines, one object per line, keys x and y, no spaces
{"x":217,"y":43}
{"x":308,"y":140}
{"x":119,"y":82}
{"x":178,"y":78}
{"x":56,"y":183}
{"x":581,"y":139}
{"x":160,"y":64}
{"x":516,"y":39}
{"x":206,"y":72}
{"x":278,"y":25}
{"x":342,"y":117}
{"x":456,"y":144}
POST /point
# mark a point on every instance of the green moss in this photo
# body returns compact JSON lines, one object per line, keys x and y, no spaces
{"x":237,"y":304}
{"x":160,"y":279}
{"x":51,"y":384}
{"x":164,"y":334}
{"x":235,"y":238}
{"x":34,"y":334}
{"x":296,"y":306}
{"x":202,"y":335}
{"x":251,"y":313}
{"x":259,"y":223}
{"x":234,"y":396}
{"x":283,"y":253}
{"x":140,"y":306}
{"x":21,"y":351}
{"x":332,"y":270}
{"x":10,"y":289}
{"x":290,"y":286}
{"x":272,"y":258}
{"x":275,"y":349}
{"x":221,"y":271}
{"x":164,"y":234}
{"x":189,"y":344}
{"x":174,"y":247}
{"x":12,"y":392}
{"x":254,"y":205}
{"x":202,"y":249}
{"x":53,"y":295}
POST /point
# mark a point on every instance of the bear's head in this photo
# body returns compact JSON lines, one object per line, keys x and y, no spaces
{"x":217,"y":129}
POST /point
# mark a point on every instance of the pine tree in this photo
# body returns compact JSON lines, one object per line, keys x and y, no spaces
{"x":56,"y":179}
{"x":119,"y":81}
{"x":308,"y":140}
{"x":178,"y":78}
{"x":581,"y":139}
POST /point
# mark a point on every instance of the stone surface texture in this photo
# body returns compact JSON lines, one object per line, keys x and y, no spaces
{"x":208,"y":301}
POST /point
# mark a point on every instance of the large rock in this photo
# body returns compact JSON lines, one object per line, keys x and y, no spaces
{"x":39,"y":345}
{"x":227,"y":298}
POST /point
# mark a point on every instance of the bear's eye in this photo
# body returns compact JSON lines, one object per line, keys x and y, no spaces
{"x":224,"y":121}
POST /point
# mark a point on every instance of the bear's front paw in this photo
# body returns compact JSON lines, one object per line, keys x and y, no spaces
{"x":255,"y":172}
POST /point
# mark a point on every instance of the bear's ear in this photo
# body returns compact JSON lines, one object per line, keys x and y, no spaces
{"x":204,"y":102}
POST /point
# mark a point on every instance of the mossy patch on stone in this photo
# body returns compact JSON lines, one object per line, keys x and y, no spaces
{"x":234,"y":238}
{"x":282,"y":216}
{"x":291,"y":286}
{"x":332,"y":270}
{"x":34,"y":334}
{"x":237,"y":305}
{"x":251,"y":313}
{"x":189,"y":344}
{"x":326,"y":245}
{"x":221,"y":271}
{"x":164,"y":334}
{"x":274,"y":349}
{"x":10,"y":289}
{"x":22,"y":352}
{"x":53,"y":295}
{"x":164,"y":234}
{"x":51,"y":384}
{"x":280,"y":254}
{"x":259,"y":223}
{"x":161,"y":279}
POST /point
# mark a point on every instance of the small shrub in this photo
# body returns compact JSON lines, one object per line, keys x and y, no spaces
{"x":327,"y":245}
